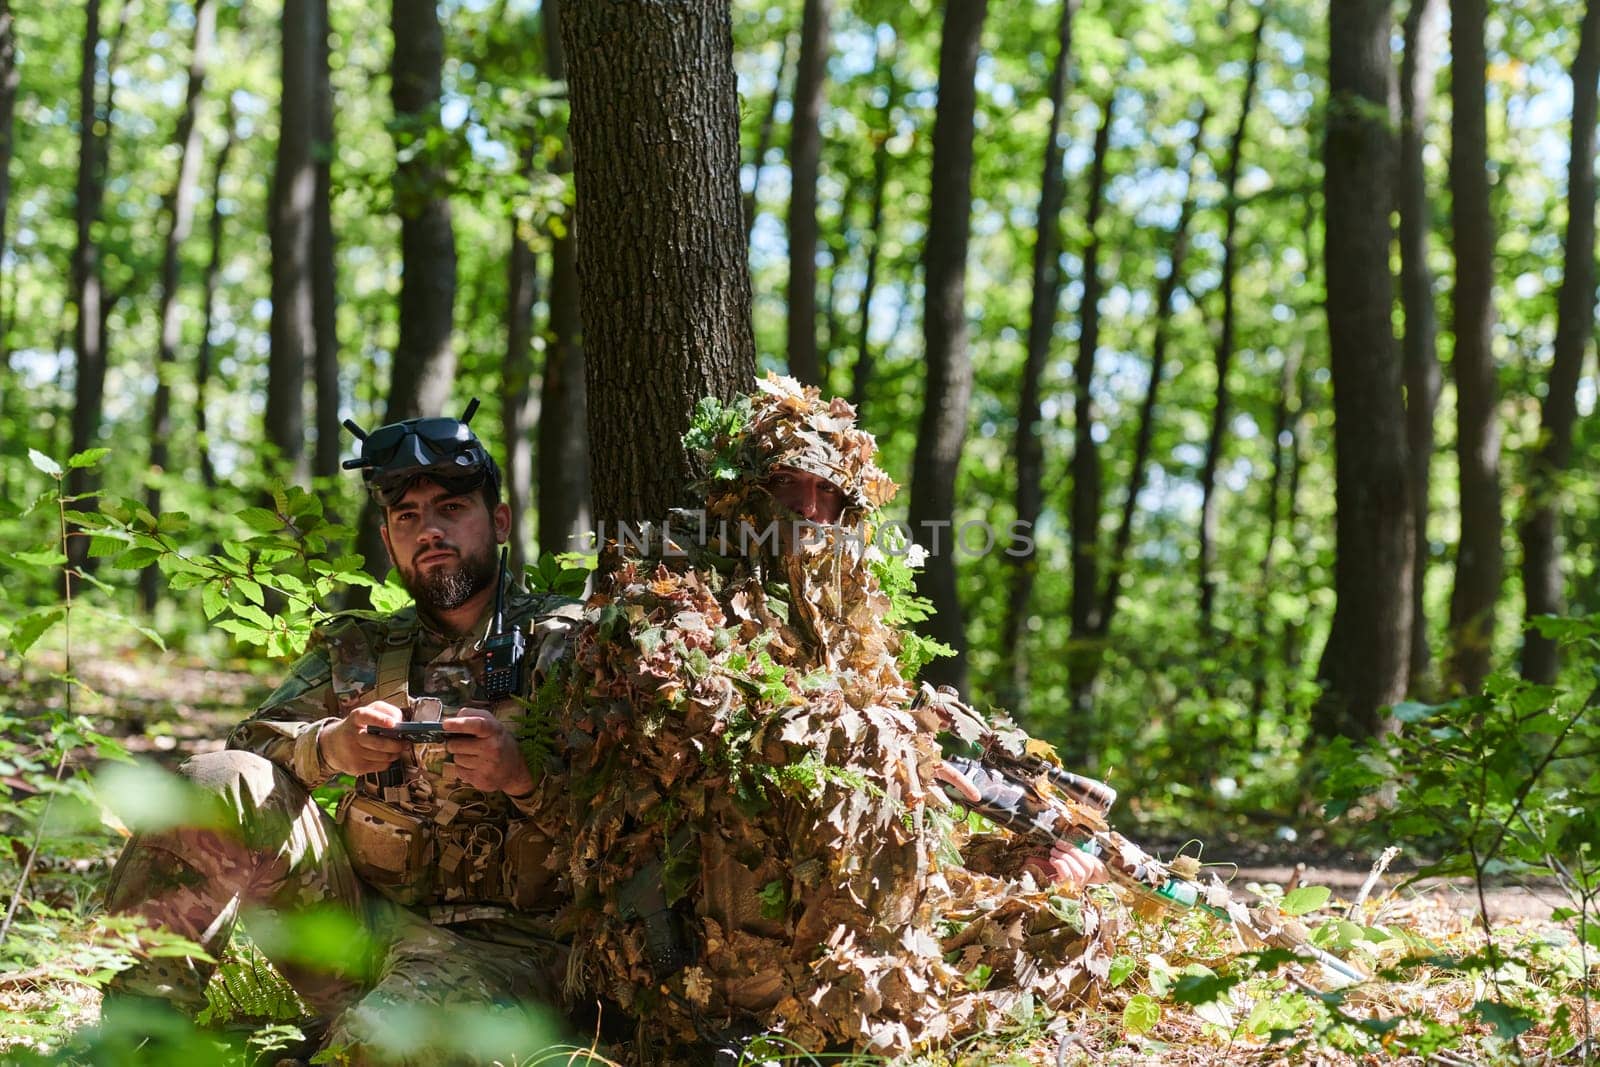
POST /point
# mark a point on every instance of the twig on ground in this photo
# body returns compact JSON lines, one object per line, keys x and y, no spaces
{"x":1381,"y":865}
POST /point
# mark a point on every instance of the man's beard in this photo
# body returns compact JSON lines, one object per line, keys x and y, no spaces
{"x":444,"y":587}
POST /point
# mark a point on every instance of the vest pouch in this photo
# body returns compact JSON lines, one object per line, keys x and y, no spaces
{"x":528,"y":881}
{"x":392,"y":851}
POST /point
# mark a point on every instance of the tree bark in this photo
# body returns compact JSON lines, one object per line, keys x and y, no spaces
{"x":1479,"y":559}
{"x":88,"y":335}
{"x":563,"y":428}
{"x":805,"y":153}
{"x":862,"y":371}
{"x":424,"y":359}
{"x":1215,"y":441}
{"x":943,"y":427}
{"x":10,"y":78}
{"x":203,"y":360}
{"x":424,"y":366}
{"x":1417,"y":70}
{"x":1088,"y":490}
{"x":519,"y":404}
{"x":180,"y":221}
{"x":1541,"y":531}
{"x":661,"y":255}
{"x":293,"y":327}
{"x":1364,"y":664}
{"x":764,"y":139}
{"x":1122,"y":542}
{"x":1029,"y":446}
{"x":324,"y":271}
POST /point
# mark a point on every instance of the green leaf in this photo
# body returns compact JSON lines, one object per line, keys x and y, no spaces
{"x":44,"y":463}
{"x":136,"y":558}
{"x":1202,"y":988}
{"x":87,"y":458}
{"x":33,"y":626}
{"x":1508,"y":1020}
{"x":1307,"y":898}
{"x":1409,"y":711}
{"x":213,"y":599}
{"x":1121,"y":968}
{"x":1141,"y":1014}
{"x":44,"y":557}
{"x":261,"y":519}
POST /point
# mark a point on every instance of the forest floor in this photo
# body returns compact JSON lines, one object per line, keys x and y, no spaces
{"x":168,"y":707}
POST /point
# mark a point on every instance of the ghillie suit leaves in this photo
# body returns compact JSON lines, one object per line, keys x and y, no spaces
{"x":757,"y":835}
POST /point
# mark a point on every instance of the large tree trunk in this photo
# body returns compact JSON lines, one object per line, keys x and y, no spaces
{"x":203,"y":360}
{"x":805,"y":153}
{"x":1225,"y":340}
{"x":1417,"y":71}
{"x":1122,"y":541}
{"x":1029,"y":446}
{"x":87,"y":287}
{"x":862,"y":371}
{"x":1365,"y":661}
{"x":943,"y":427}
{"x":1088,"y":490}
{"x":1479,"y":556}
{"x":180,"y":220}
{"x":519,"y":406}
{"x":294,"y":183}
{"x":661,"y":255}
{"x":764,"y":138}
{"x":563,"y":426}
{"x":324,"y":273}
{"x":1541,"y":532}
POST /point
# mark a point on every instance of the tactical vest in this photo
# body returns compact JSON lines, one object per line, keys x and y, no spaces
{"x":423,"y":836}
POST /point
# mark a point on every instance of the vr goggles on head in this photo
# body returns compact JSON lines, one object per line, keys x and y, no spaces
{"x":443,"y":450}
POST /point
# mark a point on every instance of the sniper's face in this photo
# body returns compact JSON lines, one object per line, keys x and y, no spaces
{"x":443,"y":543}
{"x":813,"y":498}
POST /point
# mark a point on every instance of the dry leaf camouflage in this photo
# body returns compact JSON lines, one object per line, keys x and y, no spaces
{"x":756,"y":833}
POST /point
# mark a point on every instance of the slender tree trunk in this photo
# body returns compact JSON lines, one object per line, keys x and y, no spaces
{"x":943,"y":426}
{"x":424,"y":367}
{"x":324,"y":272}
{"x":519,"y":405}
{"x":1479,"y":556}
{"x":1225,"y":341}
{"x":1541,"y":531}
{"x":862,"y":372}
{"x":1417,"y":70}
{"x":1088,"y":490}
{"x":563,"y":426}
{"x":293,"y":326}
{"x":764,"y":139}
{"x":424,"y":359}
{"x":1167,"y":292}
{"x":1365,"y":661}
{"x":1029,"y":447}
{"x":203,"y":360}
{"x":805,"y":150}
{"x":1282,"y":413}
{"x":87,"y":288}
{"x":180,"y":221}
{"x":666,"y":290}
{"x":10,"y":78}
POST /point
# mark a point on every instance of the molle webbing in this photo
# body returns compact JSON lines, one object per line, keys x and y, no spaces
{"x":394,"y":663}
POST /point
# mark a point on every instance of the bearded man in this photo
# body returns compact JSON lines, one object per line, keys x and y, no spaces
{"x":432,"y":857}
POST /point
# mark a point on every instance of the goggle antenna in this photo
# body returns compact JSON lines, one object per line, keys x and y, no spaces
{"x":472,"y":409}
{"x":360,"y":434}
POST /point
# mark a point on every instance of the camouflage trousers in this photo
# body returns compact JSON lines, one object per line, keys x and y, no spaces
{"x":271,"y":853}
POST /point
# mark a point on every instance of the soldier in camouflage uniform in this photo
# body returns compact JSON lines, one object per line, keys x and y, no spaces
{"x":759,"y":834}
{"x":434,"y":851}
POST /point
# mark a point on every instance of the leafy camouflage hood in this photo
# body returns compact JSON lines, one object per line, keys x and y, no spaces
{"x":783,"y":424}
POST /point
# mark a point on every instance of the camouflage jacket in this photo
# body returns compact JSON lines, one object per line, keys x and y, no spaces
{"x":429,"y":838}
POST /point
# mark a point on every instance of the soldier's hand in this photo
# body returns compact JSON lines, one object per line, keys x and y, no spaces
{"x":348,"y":748}
{"x":490,"y":759}
{"x":1069,"y":868}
